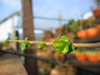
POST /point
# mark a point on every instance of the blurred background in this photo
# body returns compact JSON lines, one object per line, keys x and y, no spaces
{"x":47,"y":15}
{"x":45,"y":20}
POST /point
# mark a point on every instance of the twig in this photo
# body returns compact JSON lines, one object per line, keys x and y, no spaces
{"x":82,"y":45}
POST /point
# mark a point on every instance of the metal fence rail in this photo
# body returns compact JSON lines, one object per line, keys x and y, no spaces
{"x":35,"y":57}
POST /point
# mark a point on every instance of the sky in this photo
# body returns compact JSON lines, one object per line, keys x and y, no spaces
{"x":68,"y":9}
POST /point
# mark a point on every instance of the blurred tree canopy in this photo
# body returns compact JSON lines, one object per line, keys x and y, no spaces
{"x":74,"y":26}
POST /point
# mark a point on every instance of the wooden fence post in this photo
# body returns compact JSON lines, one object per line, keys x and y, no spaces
{"x":28,"y":28}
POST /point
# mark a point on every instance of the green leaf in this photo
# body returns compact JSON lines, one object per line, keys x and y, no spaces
{"x":24,"y":42}
{"x":64,"y":38}
{"x":41,"y":45}
{"x":28,"y":45}
{"x":57,"y":39}
{"x":60,"y":48}
{"x":6,"y":42}
{"x":23,"y":46}
{"x":59,"y":43}
{"x":62,"y":45}
{"x":72,"y":47}
{"x":26,"y":38}
{"x":16,"y":42}
{"x":16,"y":38}
{"x":57,"y":49}
{"x":69,"y":51}
{"x":65,"y":50}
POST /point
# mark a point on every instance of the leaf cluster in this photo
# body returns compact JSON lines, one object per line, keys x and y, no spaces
{"x":25,"y":44}
{"x":41,"y":45}
{"x":72,"y":26}
{"x":62,"y":45}
{"x":16,"y":38}
{"x":6,"y":42}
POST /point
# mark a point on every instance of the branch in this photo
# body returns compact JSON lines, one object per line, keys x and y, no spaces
{"x":82,"y":45}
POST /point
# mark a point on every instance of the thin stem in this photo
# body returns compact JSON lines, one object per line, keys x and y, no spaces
{"x":82,"y":45}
